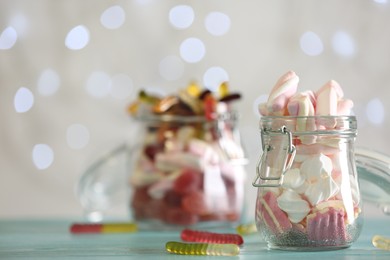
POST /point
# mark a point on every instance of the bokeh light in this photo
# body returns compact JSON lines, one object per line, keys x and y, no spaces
{"x":181,"y":16}
{"x":343,"y":44}
{"x":217,"y":23}
{"x":311,"y":44}
{"x":213,"y":78}
{"x":375,"y":111}
{"x":23,"y":100}
{"x":8,"y":38}
{"x":192,"y":50}
{"x":113,"y":17}
{"x":77,"y":38}
{"x":43,"y":156}
{"x":20,"y":23}
{"x":381,"y":1}
{"x":48,"y":82}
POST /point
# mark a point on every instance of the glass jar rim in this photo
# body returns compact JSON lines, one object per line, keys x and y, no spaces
{"x":345,"y":117}
{"x":338,"y":125}
{"x":148,"y":117}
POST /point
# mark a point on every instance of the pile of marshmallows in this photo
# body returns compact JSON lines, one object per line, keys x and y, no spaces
{"x":319,"y":177}
{"x":285,"y":101}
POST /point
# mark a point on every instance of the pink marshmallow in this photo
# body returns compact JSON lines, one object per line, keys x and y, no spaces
{"x":283,"y":90}
{"x":344,"y":107}
{"x":263,"y":109}
{"x":332,"y":84}
{"x":296,"y":101}
{"x":203,"y":150}
{"x":303,"y":105}
{"x":327,"y":99}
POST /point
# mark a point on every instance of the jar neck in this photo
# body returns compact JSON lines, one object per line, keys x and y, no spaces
{"x":310,"y":125}
{"x":178,"y":119}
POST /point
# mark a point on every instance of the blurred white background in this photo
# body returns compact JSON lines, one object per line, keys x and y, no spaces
{"x":68,"y":69}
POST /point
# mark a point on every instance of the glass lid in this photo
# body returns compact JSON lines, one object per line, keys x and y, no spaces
{"x":374,"y":176}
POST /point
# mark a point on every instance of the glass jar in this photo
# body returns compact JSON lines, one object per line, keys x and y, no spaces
{"x":187,"y":171}
{"x":308,"y":192}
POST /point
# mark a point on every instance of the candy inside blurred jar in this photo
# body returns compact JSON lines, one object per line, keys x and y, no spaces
{"x":308,"y":194}
{"x":190,"y":165}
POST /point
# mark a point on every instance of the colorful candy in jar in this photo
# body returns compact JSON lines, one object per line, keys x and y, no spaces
{"x":317,"y":203}
{"x":184,"y":174}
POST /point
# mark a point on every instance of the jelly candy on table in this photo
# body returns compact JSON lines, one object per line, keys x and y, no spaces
{"x":190,"y":235}
{"x":202,"y":249}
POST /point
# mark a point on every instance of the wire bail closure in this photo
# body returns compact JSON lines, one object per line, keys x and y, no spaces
{"x":290,"y":155}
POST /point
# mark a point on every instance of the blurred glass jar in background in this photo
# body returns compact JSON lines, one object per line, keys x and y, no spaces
{"x":189,"y":169}
{"x":185,"y":165}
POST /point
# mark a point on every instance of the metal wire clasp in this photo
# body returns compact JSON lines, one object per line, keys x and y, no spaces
{"x":290,"y":155}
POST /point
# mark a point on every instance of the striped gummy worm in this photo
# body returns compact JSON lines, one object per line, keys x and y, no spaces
{"x":202,"y":249}
{"x":210,"y":237}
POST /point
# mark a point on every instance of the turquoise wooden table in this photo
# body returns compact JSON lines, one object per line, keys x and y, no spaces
{"x":50,"y":239}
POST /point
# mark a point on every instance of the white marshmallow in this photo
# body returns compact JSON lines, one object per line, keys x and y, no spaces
{"x":158,"y":189}
{"x":295,"y":207}
{"x":321,"y":190}
{"x":168,"y":162}
{"x":293,"y":179}
{"x":317,"y":166}
{"x":139,"y":177}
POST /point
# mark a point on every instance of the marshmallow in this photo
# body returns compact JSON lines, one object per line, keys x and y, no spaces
{"x":140,"y":178}
{"x":302,"y":104}
{"x":203,"y":150}
{"x":327,"y":227}
{"x":284,"y":101}
{"x":327,"y":99}
{"x":269,"y":212}
{"x":317,"y":166}
{"x":230,"y":148}
{"x":284,"y":89}
{"x":168,"y":162}
{"x":263,"y":109}
{"x":292,"y":179}
{"x":158,"y":189}
{"x":321,"y":190}
{"x":144,"y":173}
{"x":295,"y":207}
{"x":344,"y":107}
